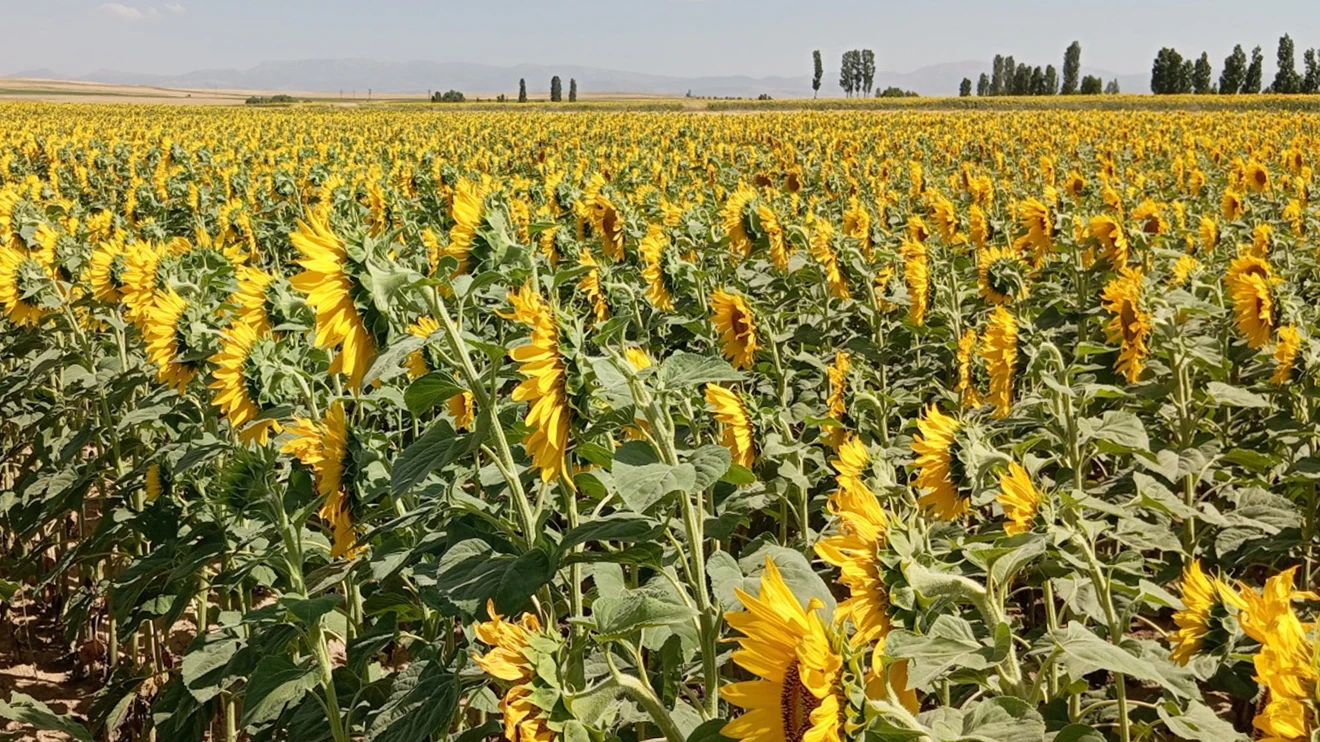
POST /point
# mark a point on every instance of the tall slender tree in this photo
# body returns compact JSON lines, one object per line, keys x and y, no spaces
{"x":1202,"y":75}
{"x":1010,"y":75}
{"x":1072,"y":67}
{"x":556,"y":90}
{"x":572,"y":90}
{"x":1051,"y":80}
{"x":965,"y":87}
{"x":983,"y":85}
{"x":1234,"y":76}
{"x":1311,"y":80}
{"x":997,"y":79}
{"x":522,"y":90}
{"x":1286,"y":79}
{"x":1255,"y":72}
{"x":868,"y":71}
{"x":847,"y":72}
{"x":817,"y":74}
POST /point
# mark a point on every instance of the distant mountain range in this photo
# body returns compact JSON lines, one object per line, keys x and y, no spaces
{"x":359,"y":75}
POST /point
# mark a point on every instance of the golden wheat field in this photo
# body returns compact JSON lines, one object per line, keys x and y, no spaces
{"x":892,"y":426}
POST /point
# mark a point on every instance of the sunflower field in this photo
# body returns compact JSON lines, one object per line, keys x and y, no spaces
{"x":389,"y":424}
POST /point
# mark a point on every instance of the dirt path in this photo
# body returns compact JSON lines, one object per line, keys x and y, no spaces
{"x":34,"y":660}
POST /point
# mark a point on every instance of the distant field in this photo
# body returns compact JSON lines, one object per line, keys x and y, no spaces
{"x":56,"y":91}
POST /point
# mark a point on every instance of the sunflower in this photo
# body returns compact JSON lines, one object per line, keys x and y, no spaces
{"x":1150,"y":218}
{"x":1253,"y":306}
{"x":798,"y":695}
{"x":468,"y":214}
{"x":1285,"y":354}
{"x":774,"y":233}
{"x":142,"y":281}
{"x":999,"y":349}
{"x":936,"y":464}
{"x":836,"y":404}
{"x":251,"y":299}
{"x":944,"y":216}
{"x":916,"y":272}
{"x":19,"y":277}
{"x":1035,"y":217}
{"x":234,"y":384}
{"x":1112,"y":239}
{"x":417,"y":363}
{"x":978,"y":226}
{"x":652,"y":251}
{"x":322,"y":446}
{"x":165,"y":343}
{"x":857,"y":224}
{"x":1232,"y":206}
{"x":1201,"y":622}
{"x":734,"y":217}
{"x":854,"y":549}
{"x":511,"y":658}
{"x":821,"y":244}
{"x":105,"y":272}
{"x":734,"y":321}
{"x":918,"y":230}
{"x":330,"y":290}
{"x":1182,"y":270}
{"x":1285,"y":664}
{"x":462,"y":407}
{"x":729,"y":411}
{"x":1001,"y":275}
{"x":1019,"y":498}
{"x":604,"y":218}
{"x":548,"y":413}
{"x":1256,"y":177}
{"x":1130,"y":325}
{"x":590,"y":286}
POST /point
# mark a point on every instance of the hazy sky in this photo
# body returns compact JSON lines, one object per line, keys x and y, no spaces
{"x":678,"y":37}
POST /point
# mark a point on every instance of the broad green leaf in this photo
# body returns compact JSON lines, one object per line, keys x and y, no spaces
{"x":1085,"y":653}
{"x":614,"y":527}
{"x":433,"y":450}
{"x":950,"y":644}
{"x":430,"y":391}
{"x":1115,"y":432}
{"x":27,"y":710}
{"x":618,"y":616}
{"x":276,"y":684}
{"x":684,"y":369}
{"x":422,"y":703}
{"x":1234,"y":396}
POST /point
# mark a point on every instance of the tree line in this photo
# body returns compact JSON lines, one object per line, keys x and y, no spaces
{"x":856,"y":75}
{"x":1007,"y":76}
{"x":1171,"y":74}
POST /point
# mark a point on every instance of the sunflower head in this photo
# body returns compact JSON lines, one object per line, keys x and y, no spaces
{"x":27,"y":288}
{"x":941,"y":472}
{"x":1207,"y":622}
{"x":733,"y":320}
{"x":1002,"y":275}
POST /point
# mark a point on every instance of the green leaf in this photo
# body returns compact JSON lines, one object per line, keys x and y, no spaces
{"x":433,"y":450}
{"x":204,"y":666}
{"x":1079,"y":733}
{"x":683,"y":369}
{"x":1004,"y":719}
{"x":389,"y":364}
{"x":796,"y":571}
{"x":1224,"y":395}
{"x":422,"y":703}
{"x":430,"y":391}
{"x":310,"y":611}
{"x":523,"y":577}
{"x":709,"y":731}
{"x":27,"y":710}
{"x":1115,"y":432}
{"x":1197,"y":722}
{"x":617,"y":617}
{"x":950,"y":644}
{"x":710,"y":462}
{"x":1085,"y":653}
{"x":614,"y":527}
{"x":277,"y":683}
{"x":642,"y":485}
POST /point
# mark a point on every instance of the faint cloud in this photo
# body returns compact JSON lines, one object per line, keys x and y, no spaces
{"x":134,"y":14}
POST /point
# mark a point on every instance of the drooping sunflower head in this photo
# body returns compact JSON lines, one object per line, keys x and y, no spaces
{"x":940,"y":473}
{"x":1205,"y":623}
{"x":1002,"y":275}
{"x":1182,"y":270}
{"x":26,"y":286}
{"x":773,"y":232}
{"x":916,"y":274}
{"x":1256,"y":177}
{"x":239,"y":384}
{"x":736,"y":219}
{"x":1150,"y":219}
{"x":1109,"y":234}
{"x":797,"y":696}
{"x":1020,"y":499}
{"x":1232,"y":205}
{"x":590,"y":286}
{"x":1130,"y":323}
{"x":105,"y":272}
{"x":327,"y":447}
{"x":173,"y":343}
{"x":999,"y":348}
{"x":1286,"y":350}
{"x":731,"y":413}
{"x":734,"y":321}
{"x":545,"y":386}
{"x":332,"y":280}
{"x":660,"y":284}
{"x":1209,"y":232}
{"x":1250,"y":283}
{"x":971,"y":370}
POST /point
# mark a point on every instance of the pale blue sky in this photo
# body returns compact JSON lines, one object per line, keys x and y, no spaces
{"x":679,"y":37}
